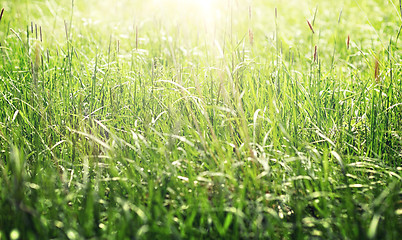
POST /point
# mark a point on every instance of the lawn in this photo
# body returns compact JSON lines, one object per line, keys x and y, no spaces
{"x":190,"y":119}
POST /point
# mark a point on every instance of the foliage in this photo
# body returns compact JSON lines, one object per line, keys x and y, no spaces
{"x":253,"y":126}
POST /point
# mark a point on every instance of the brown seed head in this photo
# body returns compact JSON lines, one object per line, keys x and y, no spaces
{"x":311,"y":27}
{"x":1,"y":14}
{"x":315,"y":53}
{"x":251,"y":36}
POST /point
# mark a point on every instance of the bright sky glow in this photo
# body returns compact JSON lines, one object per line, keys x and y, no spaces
{"x":203,"y":5}
{"x":200,"y":14}
{"x":192,"y":8}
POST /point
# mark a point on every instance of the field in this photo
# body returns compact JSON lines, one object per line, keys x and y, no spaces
{"x":188,"y":119}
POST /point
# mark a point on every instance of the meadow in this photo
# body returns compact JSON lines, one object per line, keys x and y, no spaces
{"x":232,"y":119}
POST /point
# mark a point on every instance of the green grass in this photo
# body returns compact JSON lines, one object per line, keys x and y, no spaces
{"x":142,"y":121}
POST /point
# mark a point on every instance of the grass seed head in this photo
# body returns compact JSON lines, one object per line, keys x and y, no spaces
{"x":315,"y":53}
{"x":251,"y":36}
{"x":348,"y":42}
{"x":66,"y":29}
{"x":38,"y":53}
{"x":376,"y":69}
{"x":311,"y":27}
{"x":136,"y":37}
{"x":340,"y":15}
{"x":1,"y":14}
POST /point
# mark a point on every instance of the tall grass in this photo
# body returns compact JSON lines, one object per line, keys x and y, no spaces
{"x":231,"y":131}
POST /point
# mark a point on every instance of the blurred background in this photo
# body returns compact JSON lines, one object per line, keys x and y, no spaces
{"x":367,"y":22}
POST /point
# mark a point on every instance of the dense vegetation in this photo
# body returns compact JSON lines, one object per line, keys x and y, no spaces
{"x":163,"y":119}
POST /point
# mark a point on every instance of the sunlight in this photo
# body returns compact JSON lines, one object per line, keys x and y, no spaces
{"x":206,"y":10}
{"x":203,"y":5}
{"x":194,"y":10}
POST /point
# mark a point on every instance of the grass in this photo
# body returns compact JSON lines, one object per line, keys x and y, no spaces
{"x":253,"y":124}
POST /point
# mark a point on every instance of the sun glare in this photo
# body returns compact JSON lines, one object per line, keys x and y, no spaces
{"x":192,"y":9}
{"x":186,"y":13}
{"x":203,"y":5}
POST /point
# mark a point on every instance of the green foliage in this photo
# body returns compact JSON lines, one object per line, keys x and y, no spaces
{"x":253,"y":127}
